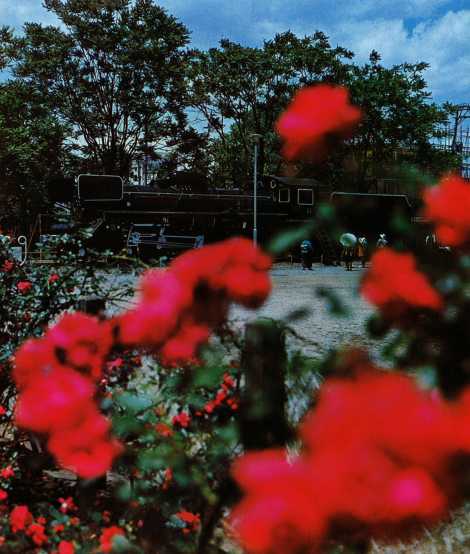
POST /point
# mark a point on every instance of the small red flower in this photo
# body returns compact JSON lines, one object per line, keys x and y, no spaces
{"x":7,"y":472}
{"x":7,"y":266}
{"x":315,"y":114}
{"x":3,"y":495}
{"x":67,"y":505}
{"x":37,"y":534}
{"x":24,"y":286}
{"x":2,"y":411}
{"x":167,"y":478}
{"x":107,"y":535}
{"x":229,"y":381}
{"x":447,"y":205}
{"x":192,"y":521}
{"x":114,"y":364}
{"x":53,"y":278}
{"x":58,"y":528}
{"x":20,"y":517}
{"x":163,"y":430}
{"x":182,"y":420}
{"x":66,"y":547}
{"x":394,"y":284}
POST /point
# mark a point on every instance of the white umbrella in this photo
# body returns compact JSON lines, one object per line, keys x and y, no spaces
{"x":348,"y":239}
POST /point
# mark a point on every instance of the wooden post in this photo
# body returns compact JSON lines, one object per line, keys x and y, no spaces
{"x":88,"y":489}
{"x":263,"y":410}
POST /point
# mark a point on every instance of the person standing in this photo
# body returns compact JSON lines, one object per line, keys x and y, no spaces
{"x":382,"y":241}
{"x":348,"y":255}
{"x":362,"y":250}
{"x":306,"y":255}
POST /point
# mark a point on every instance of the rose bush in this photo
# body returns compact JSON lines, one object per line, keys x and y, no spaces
{"x":134,"y":431}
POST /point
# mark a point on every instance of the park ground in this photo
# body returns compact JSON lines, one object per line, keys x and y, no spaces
{"x":317,"y":332}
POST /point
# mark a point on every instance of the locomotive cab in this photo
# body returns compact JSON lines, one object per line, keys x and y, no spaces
{"x":297,"y":196}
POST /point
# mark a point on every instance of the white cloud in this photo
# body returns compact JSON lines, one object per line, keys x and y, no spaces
{"x":443,"y":42}
{"x":400,"y":30}
{"x":15,"y":14}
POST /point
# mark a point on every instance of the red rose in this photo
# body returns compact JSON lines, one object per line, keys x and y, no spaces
{"x":182,"y":419}
{"x":106,"y":539}
{"x":56,"y":401}
{"x":394,"y":284}
{"x":84,"y":341}
{"x":192,"y":521}
{"x":66,"y":547}
{"x":53,"y":278}
{"x":24,"y":286}
{"x":67,"y":504}
{"x":447,"y":205}
{"x":20,"y":517}
{"x":86,"y":448}
{"x":36,"y":532}
{"x":163,"y":430}
{"x":7,"y":266}
{"x":315,"y":114}
{"x":3,"y":495}
{"x":7,"y":472}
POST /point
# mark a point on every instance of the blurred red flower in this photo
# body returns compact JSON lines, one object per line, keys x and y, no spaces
{"x":37,"y":533}
{"x":66,"y":547}
{"x":182,"y":419}
{"x":179,"y":307}
{"x":55,"y":401}
{"x":315,"y":114}
{"x":394,"y":284}
{"x":3,"y":495}
{"x":20,"y":517}
{"x":86,"y":448}
{"x":53,"y":278}
{"x":193,"y":521}
{"x":67,"y":504}
{"x":107,"y":536}
{"x":24,"y":286}
{"x":7,"y":472}
{"x":279,"y":512}
{"x":447,"y":205}
{"x":81,"y":341}
{"x":377,"y":463}
{"x":163,"y":430}
{"x":7,"y":266}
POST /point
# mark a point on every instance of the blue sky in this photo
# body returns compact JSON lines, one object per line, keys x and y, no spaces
{"x":435,"y":31}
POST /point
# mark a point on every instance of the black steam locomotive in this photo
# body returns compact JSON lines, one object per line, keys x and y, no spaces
{"x":157,"y":218}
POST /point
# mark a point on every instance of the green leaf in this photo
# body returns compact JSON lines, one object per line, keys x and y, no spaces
{"x":288,"y":239}
{"x":208,"y":376}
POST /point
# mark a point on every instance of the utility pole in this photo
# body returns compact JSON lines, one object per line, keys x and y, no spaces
{"x":256,"y":138}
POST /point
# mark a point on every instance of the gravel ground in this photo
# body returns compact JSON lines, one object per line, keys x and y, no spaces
{"x":294,"y":288}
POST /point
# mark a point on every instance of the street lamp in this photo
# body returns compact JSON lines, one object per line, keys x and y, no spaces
{"x":256,"y":139}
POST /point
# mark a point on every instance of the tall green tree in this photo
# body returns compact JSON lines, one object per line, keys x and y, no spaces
{"x":33,"y":148}
{"x":114,"y":71}
{"x":240,"y":90}
{"x":399,"y":120}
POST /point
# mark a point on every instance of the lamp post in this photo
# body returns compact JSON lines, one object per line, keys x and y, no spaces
{"x":256,"y":138}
